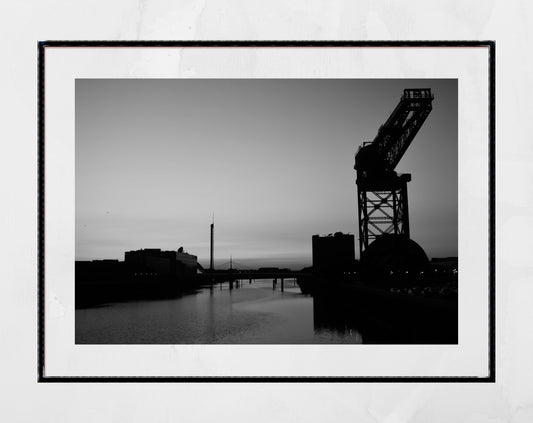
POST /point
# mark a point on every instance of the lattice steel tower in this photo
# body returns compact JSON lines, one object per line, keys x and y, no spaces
{"x":381,"y":192}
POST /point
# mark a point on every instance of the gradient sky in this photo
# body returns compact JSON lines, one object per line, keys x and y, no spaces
{"x":272,"y":159}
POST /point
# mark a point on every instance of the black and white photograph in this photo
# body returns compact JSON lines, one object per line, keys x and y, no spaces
{"x":266,"y":211}
{"x":257,"y":212}
{"x":254,"y":212}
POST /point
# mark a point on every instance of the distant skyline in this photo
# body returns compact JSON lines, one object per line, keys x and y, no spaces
{"x":271,"y":159}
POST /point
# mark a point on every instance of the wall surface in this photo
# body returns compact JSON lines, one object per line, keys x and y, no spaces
{"x":510,"y":399}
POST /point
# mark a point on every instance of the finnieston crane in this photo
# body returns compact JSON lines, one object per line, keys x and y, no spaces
{"x":384,"y":240}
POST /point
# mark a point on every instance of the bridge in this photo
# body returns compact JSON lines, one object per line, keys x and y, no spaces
{"x":235,"y":276}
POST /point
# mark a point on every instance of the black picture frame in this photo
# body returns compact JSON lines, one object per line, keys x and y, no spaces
{"x":42,"y":378}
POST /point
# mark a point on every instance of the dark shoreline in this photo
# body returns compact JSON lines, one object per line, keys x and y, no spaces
{"x":96,"y":294}
{"x":385,"y":314}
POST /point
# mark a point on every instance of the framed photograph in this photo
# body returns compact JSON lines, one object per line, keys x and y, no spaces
{"x":266,"y":211}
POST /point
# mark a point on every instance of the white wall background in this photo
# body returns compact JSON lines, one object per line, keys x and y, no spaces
{"x":507,"y":22}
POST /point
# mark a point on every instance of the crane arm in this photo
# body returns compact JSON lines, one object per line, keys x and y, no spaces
{"x":396,"y":134}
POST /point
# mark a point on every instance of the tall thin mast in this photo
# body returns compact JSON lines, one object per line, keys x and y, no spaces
{"x":211,"y":265}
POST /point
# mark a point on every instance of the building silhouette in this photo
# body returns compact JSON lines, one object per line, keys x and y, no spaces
{"x":146,"y":273}
{"x":333,"y":253}
{"x":158,"y":262}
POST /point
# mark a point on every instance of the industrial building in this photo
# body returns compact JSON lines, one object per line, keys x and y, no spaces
{"x":334,"y":253}
{"x":161,"y":262}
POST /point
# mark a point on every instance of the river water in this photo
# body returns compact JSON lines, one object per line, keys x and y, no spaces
{"x":251,"y":314}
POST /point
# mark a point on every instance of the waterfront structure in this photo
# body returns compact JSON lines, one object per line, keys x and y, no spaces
{"x":333,"y":253}
{"x":151,"y":260}
{"x":145,"y":273}
{"x":189,"y":261}
{"x":382,"y":193}
{"x":101,"y":270}
{"x":161,"y":262}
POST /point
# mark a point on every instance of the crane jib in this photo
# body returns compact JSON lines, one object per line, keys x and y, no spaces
{"x":395,"y":136}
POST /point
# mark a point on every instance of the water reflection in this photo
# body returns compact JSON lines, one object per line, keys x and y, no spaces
{"x":250,"y":314}
{"x":387,"y":319}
